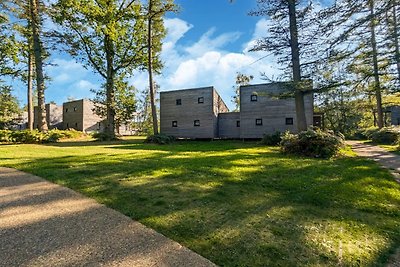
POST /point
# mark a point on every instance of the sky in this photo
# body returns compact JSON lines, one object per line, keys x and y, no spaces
{"x":207,"y":43}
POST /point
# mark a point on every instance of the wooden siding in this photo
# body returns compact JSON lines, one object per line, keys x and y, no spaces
{"x":227,"y":124}
{"x":395,"y":115}
{"x":53,"y":116}
{"x":271,"y":110}
{"x":80,"y":116}
{"x":189,"y":111}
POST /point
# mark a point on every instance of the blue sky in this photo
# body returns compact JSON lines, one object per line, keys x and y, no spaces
{"x":206,"y":45}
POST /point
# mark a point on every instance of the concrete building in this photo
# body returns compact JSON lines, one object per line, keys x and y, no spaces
{"x":54,"y":116}
{"x":201,"y":113}
{"x":191,"y":113}
{"x":394,"y":115}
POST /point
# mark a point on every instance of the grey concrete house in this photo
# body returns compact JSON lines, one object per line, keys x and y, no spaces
{"x":191,"y":113}
{"x":54,"y":116}
{"x":263,"y":110}
{"x":79,"y":115}
{"x":201,"y":113}
{"x":394,"y":115}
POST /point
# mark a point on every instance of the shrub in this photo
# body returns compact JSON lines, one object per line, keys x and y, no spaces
{"x":161,"y":139}
{"x":102,"y":136}
{"x":311,"y":143}
{"x":5,"y":135}
{"x":271,"y":139}
{"x":362,"y":134}
{"x":387,"y":136}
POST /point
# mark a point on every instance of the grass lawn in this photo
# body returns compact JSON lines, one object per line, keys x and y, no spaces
{"x":237,"y":204}
{"x":394,"y":149}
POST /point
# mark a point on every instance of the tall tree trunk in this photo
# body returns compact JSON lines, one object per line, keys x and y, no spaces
{"x":38,"y":53}
{"x":396,"y":38}
{"x":110,"y":92}
{"x":150,"y":69}
{"x":377,"y":84}
{"x":30,"y":90}
{"x":295,"y":51}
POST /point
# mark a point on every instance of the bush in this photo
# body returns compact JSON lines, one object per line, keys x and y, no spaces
{"x":271,"y":139}
{"x":102,"y":136}
{"x":386,"y":136}
{"x":363,"y":134}
{"x":161,"y":139}
{"x":311,"y":143}
{"x":5,"y":135}
{"x":37,"y":137}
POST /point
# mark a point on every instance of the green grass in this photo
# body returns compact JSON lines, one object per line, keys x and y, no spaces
{"x":393,"y":148}
{"x":237,"y":204}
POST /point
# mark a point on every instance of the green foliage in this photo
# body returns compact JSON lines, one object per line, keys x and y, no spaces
{"x":38,"y":137}
{"x":9,"y":107}
{"x":386,"y":136}
{"x":365,"y":134}
{"x":104,"y":136}
{"x":160,"y":139}
{"x":271,"y":139}
{"x":312,"y":143}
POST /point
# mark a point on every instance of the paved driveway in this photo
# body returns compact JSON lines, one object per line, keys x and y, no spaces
{"x":43,"y":224}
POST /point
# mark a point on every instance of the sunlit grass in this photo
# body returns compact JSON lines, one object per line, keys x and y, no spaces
{"x":236,"y":203}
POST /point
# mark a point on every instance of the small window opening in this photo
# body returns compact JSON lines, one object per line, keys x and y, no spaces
{"x":200,"y":100}
{"x":253,"y":98}
{"x":179,"y":102}
{"x":196,"y":123}
{"x":259,"y":122}
{"x":289,"y":121}
{"x":237,"y":123}
{"x":175,"y":124}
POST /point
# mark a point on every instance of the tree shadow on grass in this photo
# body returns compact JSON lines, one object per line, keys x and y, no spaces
{"x":239,"y":208}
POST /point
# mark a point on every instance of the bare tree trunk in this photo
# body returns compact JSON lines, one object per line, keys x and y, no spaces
{"x":150,"y":69}
{"x":38,"y":53}
{"x":377,"y":84}
{"x":30,"y":90}
{"x":396,"y":39}
{"x":294,"y":45}
{"x":110,"y":94}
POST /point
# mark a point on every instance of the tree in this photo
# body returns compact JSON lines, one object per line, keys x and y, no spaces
{"x":38,"y":52}
{"x":9,"y":107}
{"x":106,"y":35}
{"x":241,"y":79}
{"x":156,"y":9}
{"x":125,"y":102}
{"x":291,"y":38}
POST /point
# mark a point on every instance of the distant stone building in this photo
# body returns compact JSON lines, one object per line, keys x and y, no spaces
{"x":191,"y":113}
{"x":54,"y":116}
{"x":201,"y":113}
{"x":394,"y":113}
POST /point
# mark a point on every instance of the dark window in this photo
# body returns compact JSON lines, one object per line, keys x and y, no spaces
{"x":75,"y":108}
{"x":76,"y":124}
{"x":67,"y":126}
{"x":66,"y":110}
{"x":253,"y":98}
{"x":200,"y":100}
{"x":179,"y":102}
{"x":196,"y":123}
{"x":175,"y":124}
{"x":398,"y":121}
{"x":258,"y":122}
{"x":237,"y":123}
{"x":99,"y":126}
{"x":289,"y":121}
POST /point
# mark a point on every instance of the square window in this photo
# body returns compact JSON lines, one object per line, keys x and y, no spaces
{"x":175,"y":124}
{"x":258,"y":122}
{"x":289,"y":121}
{"x":200,"y":100}
{"x":237,"y":123}
{"x":75,"y":108}
{"x":196,"y":123}
{"x":179,"y":102}
{"x":253,"y":98}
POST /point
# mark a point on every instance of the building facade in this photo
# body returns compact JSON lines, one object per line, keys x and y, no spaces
{"x":395,"y":115}
{"x":80,"y":115}
{"x":191,"y":113}
{"x":201,"y":113}
{"x":54,"y":116}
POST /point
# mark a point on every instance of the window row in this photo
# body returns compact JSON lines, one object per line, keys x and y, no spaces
{"x":196,"y":123}
{"x":259,"y":122}
{"x":67,"y":109}
{"x":200,"y":100}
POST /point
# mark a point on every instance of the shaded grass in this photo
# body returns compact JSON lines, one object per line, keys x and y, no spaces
{"x":238,"y":204}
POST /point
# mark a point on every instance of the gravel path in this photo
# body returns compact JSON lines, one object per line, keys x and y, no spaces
{"x":386,"y":159}
{"x":43,"y":224}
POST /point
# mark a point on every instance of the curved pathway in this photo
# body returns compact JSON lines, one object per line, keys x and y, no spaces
{"x":43,"y":224}
{"x":384,"y":158}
